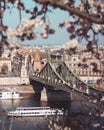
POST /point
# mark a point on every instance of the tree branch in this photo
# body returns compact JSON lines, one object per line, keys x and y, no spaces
{"x":73,"y":10}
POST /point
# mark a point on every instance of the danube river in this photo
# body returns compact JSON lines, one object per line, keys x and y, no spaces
{"x":77,"y":119}
{"x":24,"y":123}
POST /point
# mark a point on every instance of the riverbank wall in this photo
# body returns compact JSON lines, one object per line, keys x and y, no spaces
{"x":19,"y":88}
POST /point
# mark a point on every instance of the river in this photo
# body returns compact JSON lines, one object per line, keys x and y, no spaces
{"x":70,"y":120}
{"x":24,"y":123}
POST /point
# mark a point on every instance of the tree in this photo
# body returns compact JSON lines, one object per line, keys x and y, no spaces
{"x":87,"y":18}
{"x":86,"y":21}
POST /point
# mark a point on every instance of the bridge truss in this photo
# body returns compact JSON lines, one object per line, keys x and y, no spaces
{"x":59,"y":76}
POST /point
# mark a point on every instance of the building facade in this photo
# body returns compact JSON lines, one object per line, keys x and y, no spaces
{"x":88,"y":69}
{"x":7,"y":76}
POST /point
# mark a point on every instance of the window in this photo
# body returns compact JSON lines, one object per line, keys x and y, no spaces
{"x":74,"y":59}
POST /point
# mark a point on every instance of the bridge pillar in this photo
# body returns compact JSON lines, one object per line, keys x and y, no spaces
{"x":44,"y":95}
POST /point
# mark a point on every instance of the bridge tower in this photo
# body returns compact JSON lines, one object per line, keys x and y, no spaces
{"x":37,"y":62}
{"x":24,"y":78}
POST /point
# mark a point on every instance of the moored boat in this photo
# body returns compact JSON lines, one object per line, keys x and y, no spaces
{"x":10,"y":95}
{"x":34,"y":111}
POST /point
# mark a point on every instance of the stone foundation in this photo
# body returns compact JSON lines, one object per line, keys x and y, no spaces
{"x":14,"y":80}
{"x":20,"y":88}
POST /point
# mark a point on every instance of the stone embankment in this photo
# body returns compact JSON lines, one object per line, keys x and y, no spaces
{"x":22,"y":88}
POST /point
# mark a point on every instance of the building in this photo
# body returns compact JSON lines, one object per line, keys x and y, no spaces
{"x":88,"y":70}
{"x":5,"y":65}
{"x":7,"y":73}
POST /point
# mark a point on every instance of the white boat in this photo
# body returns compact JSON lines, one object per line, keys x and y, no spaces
{"x":10,"y":95}
{"x":34,"y":111}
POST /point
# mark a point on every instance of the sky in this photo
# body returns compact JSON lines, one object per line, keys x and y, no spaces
{"x":11,"y":18}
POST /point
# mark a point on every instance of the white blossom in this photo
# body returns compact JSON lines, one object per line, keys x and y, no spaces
{"x":72,"y":44}
{"x":67,"y":23}
{"x":26,"y":26}
{"x":91,"y":2}
{"x":16,"y":1}
{"x":81,"y":6}
{"x":65,"y":1}
{"x":10,"y":33}
{"x":97,"y":27}
{"x":102,"y":4}
{"x":94,"y":10}
{"x":44,"y":35}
